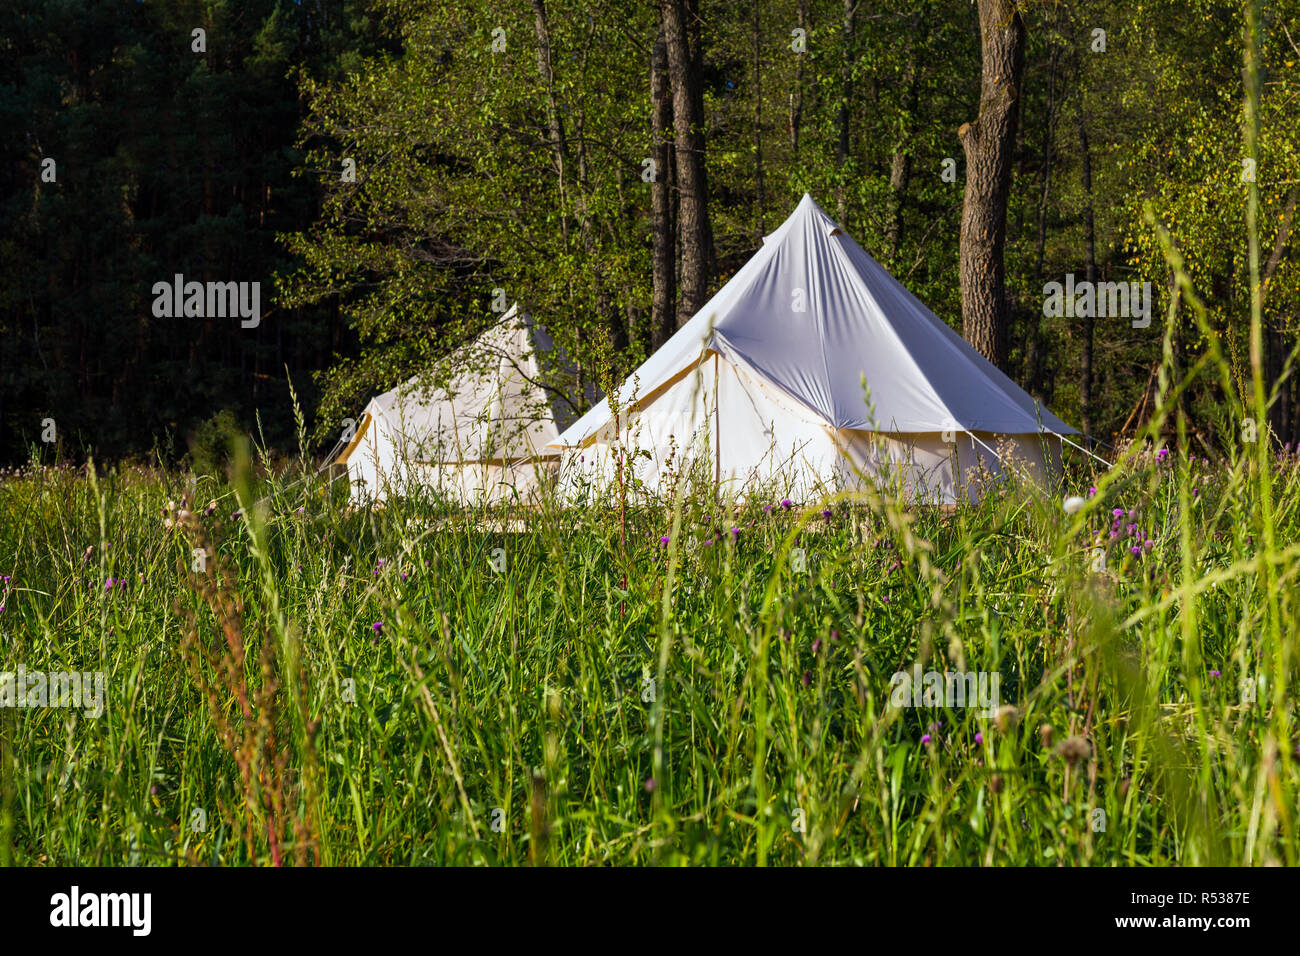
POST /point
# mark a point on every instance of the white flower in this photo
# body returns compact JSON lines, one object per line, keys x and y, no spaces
{"x":1073,"y":504}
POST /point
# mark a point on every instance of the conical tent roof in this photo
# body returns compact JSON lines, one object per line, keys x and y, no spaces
{"x":494,"y":407}
{"x":486,"y":434}
{"x":812,"y":314}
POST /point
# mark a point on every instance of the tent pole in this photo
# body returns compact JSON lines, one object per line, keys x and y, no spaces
{"x":1085,"y":451}
{"x":717,"y":428}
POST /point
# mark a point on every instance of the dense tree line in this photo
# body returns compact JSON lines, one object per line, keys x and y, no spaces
{"x":403,"y":170}
{"x":136,"y":149}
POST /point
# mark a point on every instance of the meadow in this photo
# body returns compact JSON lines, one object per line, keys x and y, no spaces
{"x":694,"y":681}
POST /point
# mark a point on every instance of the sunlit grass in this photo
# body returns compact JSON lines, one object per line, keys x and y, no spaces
{"x":725,"y":707}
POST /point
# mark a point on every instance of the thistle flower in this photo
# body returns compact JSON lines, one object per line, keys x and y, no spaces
{"x":1073,"y":749}
{"x":378,"y":627}
{"x":1072,"y":504}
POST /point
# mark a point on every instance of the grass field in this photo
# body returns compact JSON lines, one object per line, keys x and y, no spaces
{"x":410,"y":686}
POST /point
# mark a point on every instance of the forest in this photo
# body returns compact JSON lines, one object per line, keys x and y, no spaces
{"x":390,"y":172}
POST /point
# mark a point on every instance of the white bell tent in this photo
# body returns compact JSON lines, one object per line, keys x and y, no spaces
{"x":812,"y":371}
{"x":481,"y":439}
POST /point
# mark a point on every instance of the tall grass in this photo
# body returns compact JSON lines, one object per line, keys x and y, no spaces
{"x":723,"y":707}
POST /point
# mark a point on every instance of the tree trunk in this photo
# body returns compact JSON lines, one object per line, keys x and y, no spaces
{"x":1035,"y":357}
{"x":900,"y":166}
{"x":760,"y":200}
{"x":663,"y":318}
{"x":554,"y":123}
{"x":1090,"y":250}
{"x":989,"y":143}
{"x":842,"y":117}
{"x":685,"y":67}
{"x":796,"y":92}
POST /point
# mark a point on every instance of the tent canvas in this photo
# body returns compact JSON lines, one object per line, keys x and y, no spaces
{"x":482,"y":439}
{"x":815,"y":370}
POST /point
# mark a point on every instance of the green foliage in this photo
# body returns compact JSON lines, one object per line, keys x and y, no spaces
{"x":210,"y":444}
